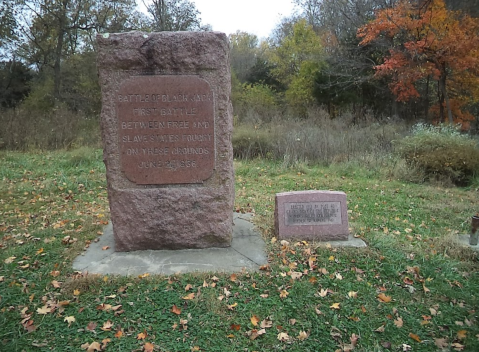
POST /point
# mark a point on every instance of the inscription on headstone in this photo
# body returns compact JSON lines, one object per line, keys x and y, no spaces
{"x":167,"y":131}
{"x":311,"y":215}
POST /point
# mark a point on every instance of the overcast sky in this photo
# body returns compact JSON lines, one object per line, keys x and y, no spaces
{"x":252,"y":16}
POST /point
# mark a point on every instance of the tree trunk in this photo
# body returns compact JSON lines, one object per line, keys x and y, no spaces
{"x":442,"y":86}
{"x":59,"y":51}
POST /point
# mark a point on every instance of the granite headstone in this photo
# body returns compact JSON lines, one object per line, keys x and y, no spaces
{"x":312,"y":215}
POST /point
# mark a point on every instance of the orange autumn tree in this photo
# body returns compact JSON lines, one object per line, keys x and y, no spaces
{"x":429,"y":42}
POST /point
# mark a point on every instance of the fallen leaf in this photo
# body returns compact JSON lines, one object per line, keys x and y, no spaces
{"x":94,"y":346}
{"x":354,"y":339}
{"x":303,"y":335}
{"x":457,"y":346}
{"x":142,"y":276}
{"x":323,"y":292}
{"x":44,"y":310}
{"x":76,"y":292}
{"x":283,"y":294}
{"x":295,"y":275}
{"x":141,"y":335}
{"x":233,"y":277}
{"x":235,"y":327}
{"x":254,"y":320}
{"x":380,"y":329}
{"x":232,"y":306}
{"x":104,"y":248}
{"x":398,"y":322}
{"x":107,"y":326}
{"x":189,"y":296}
{"x":104,"y":307}
{"x":383,"y":298}
{"x":414,"y":337}
{"x":176,"y":310}
{"x":69,"y":320}
{"x":56,"y":284}
{"x":148,"y":347}
{"x":441,"y":343}
{"x":9,"y":260}
{"x":119,"y":334}
{"x":461,"y":334}
{"x":189,"y":287}
{"x":282,"y":336}
{"x":104,"y":343}
{"x":266,"y":324}
{"x":335,"y":306}
{"x":353,"y":294}
{"x":91,"y":326}
{"x":253,"y":334}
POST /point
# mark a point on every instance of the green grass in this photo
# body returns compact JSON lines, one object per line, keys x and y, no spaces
{"x":432,"y":284}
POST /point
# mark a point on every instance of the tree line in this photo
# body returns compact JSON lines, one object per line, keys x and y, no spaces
{"x":415,"y":60}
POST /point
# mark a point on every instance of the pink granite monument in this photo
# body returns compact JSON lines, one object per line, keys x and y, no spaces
{"x":166,"y":128}
{"x":312,"y":215}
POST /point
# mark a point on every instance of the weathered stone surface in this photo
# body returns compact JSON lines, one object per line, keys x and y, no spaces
{"x":166,"y":129}
{"x":311,"y":215}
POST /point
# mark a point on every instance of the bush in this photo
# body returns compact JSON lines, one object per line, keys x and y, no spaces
{"x":250,"y":142}
{"x":317,"y":139}
{"x":256,"y":100}
{"x":59,"y":128}
{"x":441,"y":153}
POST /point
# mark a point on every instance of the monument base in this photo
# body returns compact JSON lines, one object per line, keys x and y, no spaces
{"x":164,"y":218}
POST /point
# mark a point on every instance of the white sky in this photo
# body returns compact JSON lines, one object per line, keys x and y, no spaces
{"x":259,"y":17}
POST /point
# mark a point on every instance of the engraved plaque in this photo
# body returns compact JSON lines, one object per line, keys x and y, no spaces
{"x":312,"y":213}
{"x":166,"y":129}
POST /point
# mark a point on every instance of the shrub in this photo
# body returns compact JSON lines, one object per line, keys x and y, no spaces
{"x":441,"y":153}
{"x":59,"y":128}
{"x":250,"y":142}
{"x":317,"y":139}
{"x":256,"y":100}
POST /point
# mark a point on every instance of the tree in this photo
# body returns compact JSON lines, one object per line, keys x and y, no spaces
{"x":55,"y":30}
{"x":15,"y":79}
{"x":296,"y":61}
{"x":8,"y":24}
{"x":244,"y":52}
{"x":429,"y":42}
{"x":346,"y":81}
{"x":174,"y":15}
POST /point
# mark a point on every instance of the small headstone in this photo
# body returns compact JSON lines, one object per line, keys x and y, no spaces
{"x":166,"y":129}
{"x":312,"y":215}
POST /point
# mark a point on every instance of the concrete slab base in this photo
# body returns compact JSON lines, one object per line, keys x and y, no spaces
{"x":247,"y":251}
{"x":463,"y":240}
{"x":351,"y":242}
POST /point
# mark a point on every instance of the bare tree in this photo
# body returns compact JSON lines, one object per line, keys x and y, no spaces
{"x":174,"y":15}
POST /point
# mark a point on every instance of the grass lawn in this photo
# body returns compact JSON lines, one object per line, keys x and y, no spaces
{"x":412,"y":289}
